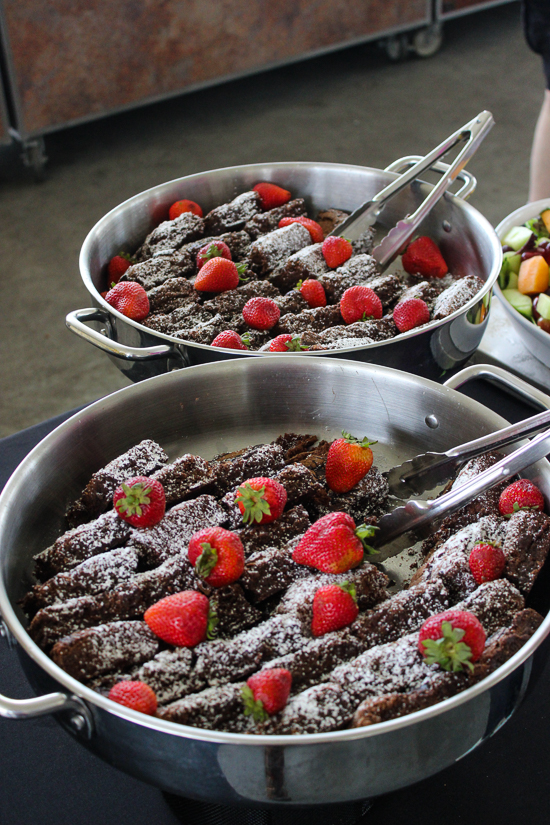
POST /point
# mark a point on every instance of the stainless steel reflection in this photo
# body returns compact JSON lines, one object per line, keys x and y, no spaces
{"x":467,"y":240}
{"x":217,"y":407}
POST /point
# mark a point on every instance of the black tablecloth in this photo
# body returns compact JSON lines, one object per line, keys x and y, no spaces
{"x":47,"y":778}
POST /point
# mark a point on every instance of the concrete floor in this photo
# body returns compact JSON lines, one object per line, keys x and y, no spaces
{"x":351,"y":106}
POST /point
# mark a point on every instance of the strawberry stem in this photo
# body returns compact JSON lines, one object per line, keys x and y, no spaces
{"x":135,"y":497}
{"x":351,"y":439}
{"x":363,"y":532}
{"x":252,"y":707}
{"x":254,"y":503}
{"x":211,"y":629}
{"x":349,"y":587}
{"x":207,"y":560}
{"x":449,"y":651}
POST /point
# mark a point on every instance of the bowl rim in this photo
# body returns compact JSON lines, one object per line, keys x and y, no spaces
{"x":273,"y":167}
{"x":517,"y":218}
{"x":98,"y":701}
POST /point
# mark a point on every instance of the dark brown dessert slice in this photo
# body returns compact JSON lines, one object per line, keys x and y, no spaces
{"x":306,"y":263}
{"x":370,"y":587}
{"x":484,"y":505}
{"x":329,"y":219}
{"x":526,"y":545}
{"x":117,"y":645}
{"x":360,"y":333}
{"x":170,"y":537}
{"x":127,"y":600}
{"x":271,"y":570}
{"x":456,"y":295}
{"x":427,"y":291}
{"x":95,"y":575}
{"x":186,"y":477}
{"x":75,"y":546}
{"x":500,"y":647}
{"x":180,"y":321}
{"x":255,"y":537}
{"x":263,"y":460}
{"x":170,"y":295}
{"x":232,"y":302}
{"x":232,"y":216}
{"x":142,"y":460}
{"x":403,"y":613}
{"x":216,"y":708}
{"x":359,"y":269}
{"x":269,"y":251}
{"x":170,"y":674}
{"x":154,"y":272}
{"x":265,"y":222}
{"x":449,"y":562}
{"x":316,"y":320}
{"x":369,"y":497}
{"x":293,"y":302}
{"x":171,"y":235}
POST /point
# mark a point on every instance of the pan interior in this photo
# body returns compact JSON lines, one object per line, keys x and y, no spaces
{"x":219,"y":407}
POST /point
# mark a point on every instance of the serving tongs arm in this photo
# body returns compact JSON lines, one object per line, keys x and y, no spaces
{"x":427,"y":471}
{"x":415,"y":514}
{"x":366,"y":214}
{"x":473,"y":133}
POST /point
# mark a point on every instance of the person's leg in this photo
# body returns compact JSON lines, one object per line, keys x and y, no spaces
{"x":539,"y":178}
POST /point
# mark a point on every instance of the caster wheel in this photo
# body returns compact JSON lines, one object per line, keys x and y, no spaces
{"x":427,"y":42}
{"x":34,"y":157}
{"x":397,"y":48}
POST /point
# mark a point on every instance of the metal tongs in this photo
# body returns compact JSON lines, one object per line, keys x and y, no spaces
{"x":366,"y":215}
{"x":415,"y":514}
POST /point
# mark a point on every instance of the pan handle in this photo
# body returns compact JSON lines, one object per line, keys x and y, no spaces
{"x":469,"y":181}
{"x":75,"y":322}
{"x":496,"y":375}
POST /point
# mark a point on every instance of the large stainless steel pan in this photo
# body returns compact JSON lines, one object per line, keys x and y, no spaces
{"x":218,"y":407}
{"x":467,"y":240}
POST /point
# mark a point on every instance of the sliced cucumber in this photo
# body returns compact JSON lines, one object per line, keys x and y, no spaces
{"x":513,"y":280}
{"x":522,"y":303}
{"x":517,"y":237}
{"x":513,"y":260}
{"x":543,"y":306}
{"x":504,"y":274}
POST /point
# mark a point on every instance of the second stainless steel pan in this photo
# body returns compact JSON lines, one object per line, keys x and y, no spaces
{"x":215,"y":408}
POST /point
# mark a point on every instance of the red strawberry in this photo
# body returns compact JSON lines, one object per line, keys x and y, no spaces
{"x":359,"y":303}
{"x":140,"y":501}
{"x":117,"y":267}
{"x":266,"y":693}
{"x":333,"y":544}
{"x":422,"y":257}
{"x":214,"y":249}
{"x":261,"y":313}
{"x":230,"y":339}
{"x":183,"y":620}
{"x":452,"y":639}
{"x":317,"y":234}
{"x":336,"y":251}
{"x":261,"y":500}
{"x":313,"y":292}
{"x":129,"y":298}
{"x":334,"y":606}
{"x":135,"y":695}
{"x":487,"y":562}
{"x":179,"y":207}
{"x":348,"y":460}
{"x":218,"y":275}
{"x":217,"y":556}
{"x":410,"y":314}
{"x":521,"y":495}
{"x":287,"y":342}
{"x":271,"y":195}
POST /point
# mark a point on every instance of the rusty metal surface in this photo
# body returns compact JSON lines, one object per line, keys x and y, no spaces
{"x":72,"y":60}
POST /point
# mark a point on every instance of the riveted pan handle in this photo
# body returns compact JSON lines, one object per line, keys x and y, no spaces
{"x":469,"y":181}
{"x":76,"y":323}
{"x":496,"y":375}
